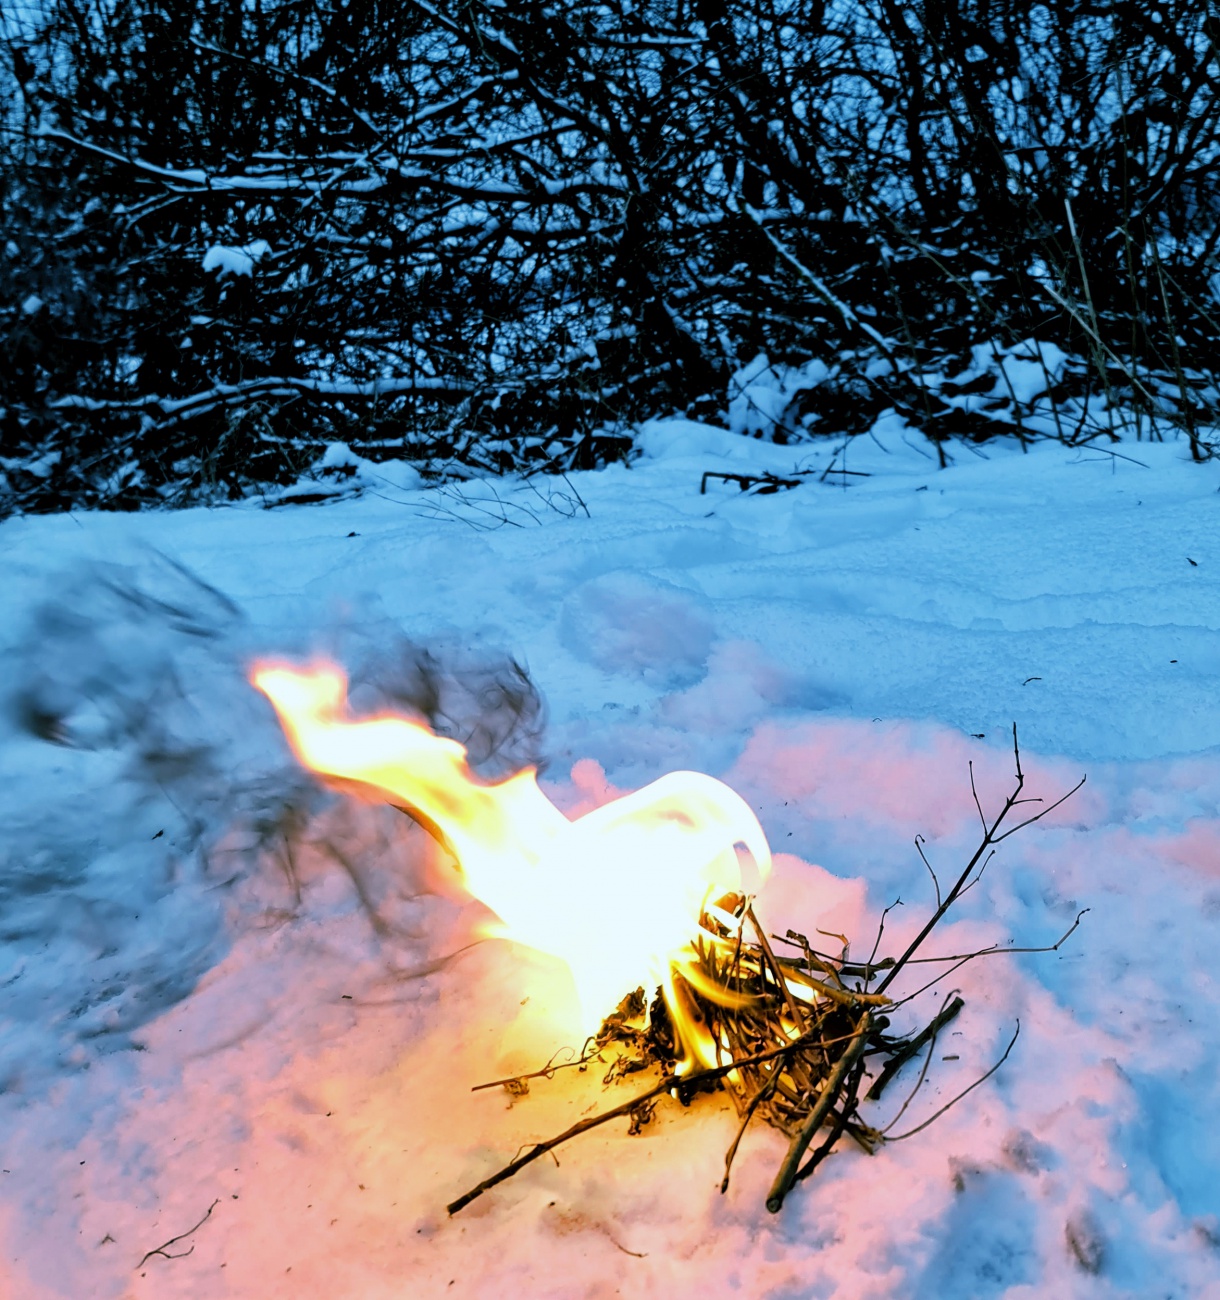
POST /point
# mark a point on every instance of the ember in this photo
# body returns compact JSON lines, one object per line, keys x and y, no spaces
{"x":652,"y":885}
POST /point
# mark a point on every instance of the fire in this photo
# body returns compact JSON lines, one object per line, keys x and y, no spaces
{"x":617,"y":893}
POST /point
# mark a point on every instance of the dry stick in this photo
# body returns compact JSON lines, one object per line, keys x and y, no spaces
{"x":848,"y":998}
{"x":541,"y":1148}
{"x":798,"y":1016}
{"x":904,"y":1054}
{"x":815,"y":960}
{"x":836,"y":1131}
{"x":994,"y":951}
{"x":787,"y":1171}
{"x":919,"y":842}
{"x":547,"y":1071}
{"x":680,"y":1082}
{"x":923,"y":1074}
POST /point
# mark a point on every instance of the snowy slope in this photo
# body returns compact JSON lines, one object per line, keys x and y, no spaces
{"x":222,"y":985}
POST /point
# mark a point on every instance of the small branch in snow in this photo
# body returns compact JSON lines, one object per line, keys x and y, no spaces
{"x":895,"y":1063}
{"x":919,"y":1128}
{"x":163,"y":1249}
{"x":766,"y":483}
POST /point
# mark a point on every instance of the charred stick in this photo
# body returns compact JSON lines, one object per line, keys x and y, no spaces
{"x":830,"y":1091}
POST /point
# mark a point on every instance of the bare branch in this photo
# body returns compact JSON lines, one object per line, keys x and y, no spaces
{"x":919,"y":843}
{"x":163,"y":1249}
{"x":965,"y":1091}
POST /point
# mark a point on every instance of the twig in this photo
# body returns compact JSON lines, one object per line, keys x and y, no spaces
{"x":848,"y":997}
{"x":836,"y":1131}
{"x":794,"y":1009}
{"x":681,"y":1083}
{"x":991,"y":837}
{"x":547,"y":1071}
{"x":760,"y":1096}
{"x":982,"y":1079}
{"x":947,"y":1013}
{"x":747,"y":481}
{"x":994,"y":951}
{"x":919,"y":842}
{"x":787,"y":1171}
{"x":163,"y":1249}
{"x":880,"y":931}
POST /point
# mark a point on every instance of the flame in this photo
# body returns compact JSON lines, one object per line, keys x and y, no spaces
{"x":617,"y":893}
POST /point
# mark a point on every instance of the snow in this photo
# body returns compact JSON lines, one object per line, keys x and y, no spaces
{"x":763,"y":394}
{"x":224,"y":986}
{"x":1025,"y":370}
{"x":228,"y":260}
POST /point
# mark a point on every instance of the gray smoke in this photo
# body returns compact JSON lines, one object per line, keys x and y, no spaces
{"x":158,"y":777}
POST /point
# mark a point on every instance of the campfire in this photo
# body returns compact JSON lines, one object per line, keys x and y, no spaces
{"x":655,"y":890}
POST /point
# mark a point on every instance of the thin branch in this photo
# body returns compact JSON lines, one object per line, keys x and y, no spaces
{"x":680,"y":1083}
{"x":991,"y":836}
{"x":932,"y":1031}
{"x":794,"y":1007}
{"x":949,"y":1104}
{"x":760,"y":1096}
{"x":1037,"y":817}
{"x":163,"y":1249}
{"x":840,"y":1123}
{"x":947,"y":1013}
{"x":881,"y":930}
{"x":919,"y":843}
{"x":975,"y":793}
{"x":547,"y":1071}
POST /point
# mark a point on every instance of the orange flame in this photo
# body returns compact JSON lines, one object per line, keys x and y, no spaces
{"x":616,"y":893}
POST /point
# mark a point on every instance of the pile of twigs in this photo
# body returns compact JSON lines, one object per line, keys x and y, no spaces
{"x":791,"y":1037}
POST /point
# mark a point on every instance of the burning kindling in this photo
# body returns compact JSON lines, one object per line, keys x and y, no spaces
{"x":655,"y":887}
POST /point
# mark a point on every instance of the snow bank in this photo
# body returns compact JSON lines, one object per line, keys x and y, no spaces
{"x":762,"y":397}
{"x":224,"y":988}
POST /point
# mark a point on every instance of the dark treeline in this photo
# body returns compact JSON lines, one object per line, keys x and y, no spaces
{"x":491,"y":233}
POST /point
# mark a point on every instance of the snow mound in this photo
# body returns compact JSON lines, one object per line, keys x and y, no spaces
{"x":224,"y":259}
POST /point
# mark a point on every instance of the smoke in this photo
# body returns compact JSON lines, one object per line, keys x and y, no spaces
{"x":481,"y":697}
{"x":152,"y":780}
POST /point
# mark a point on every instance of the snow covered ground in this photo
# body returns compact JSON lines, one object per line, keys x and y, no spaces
{"x":221,"y":986}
